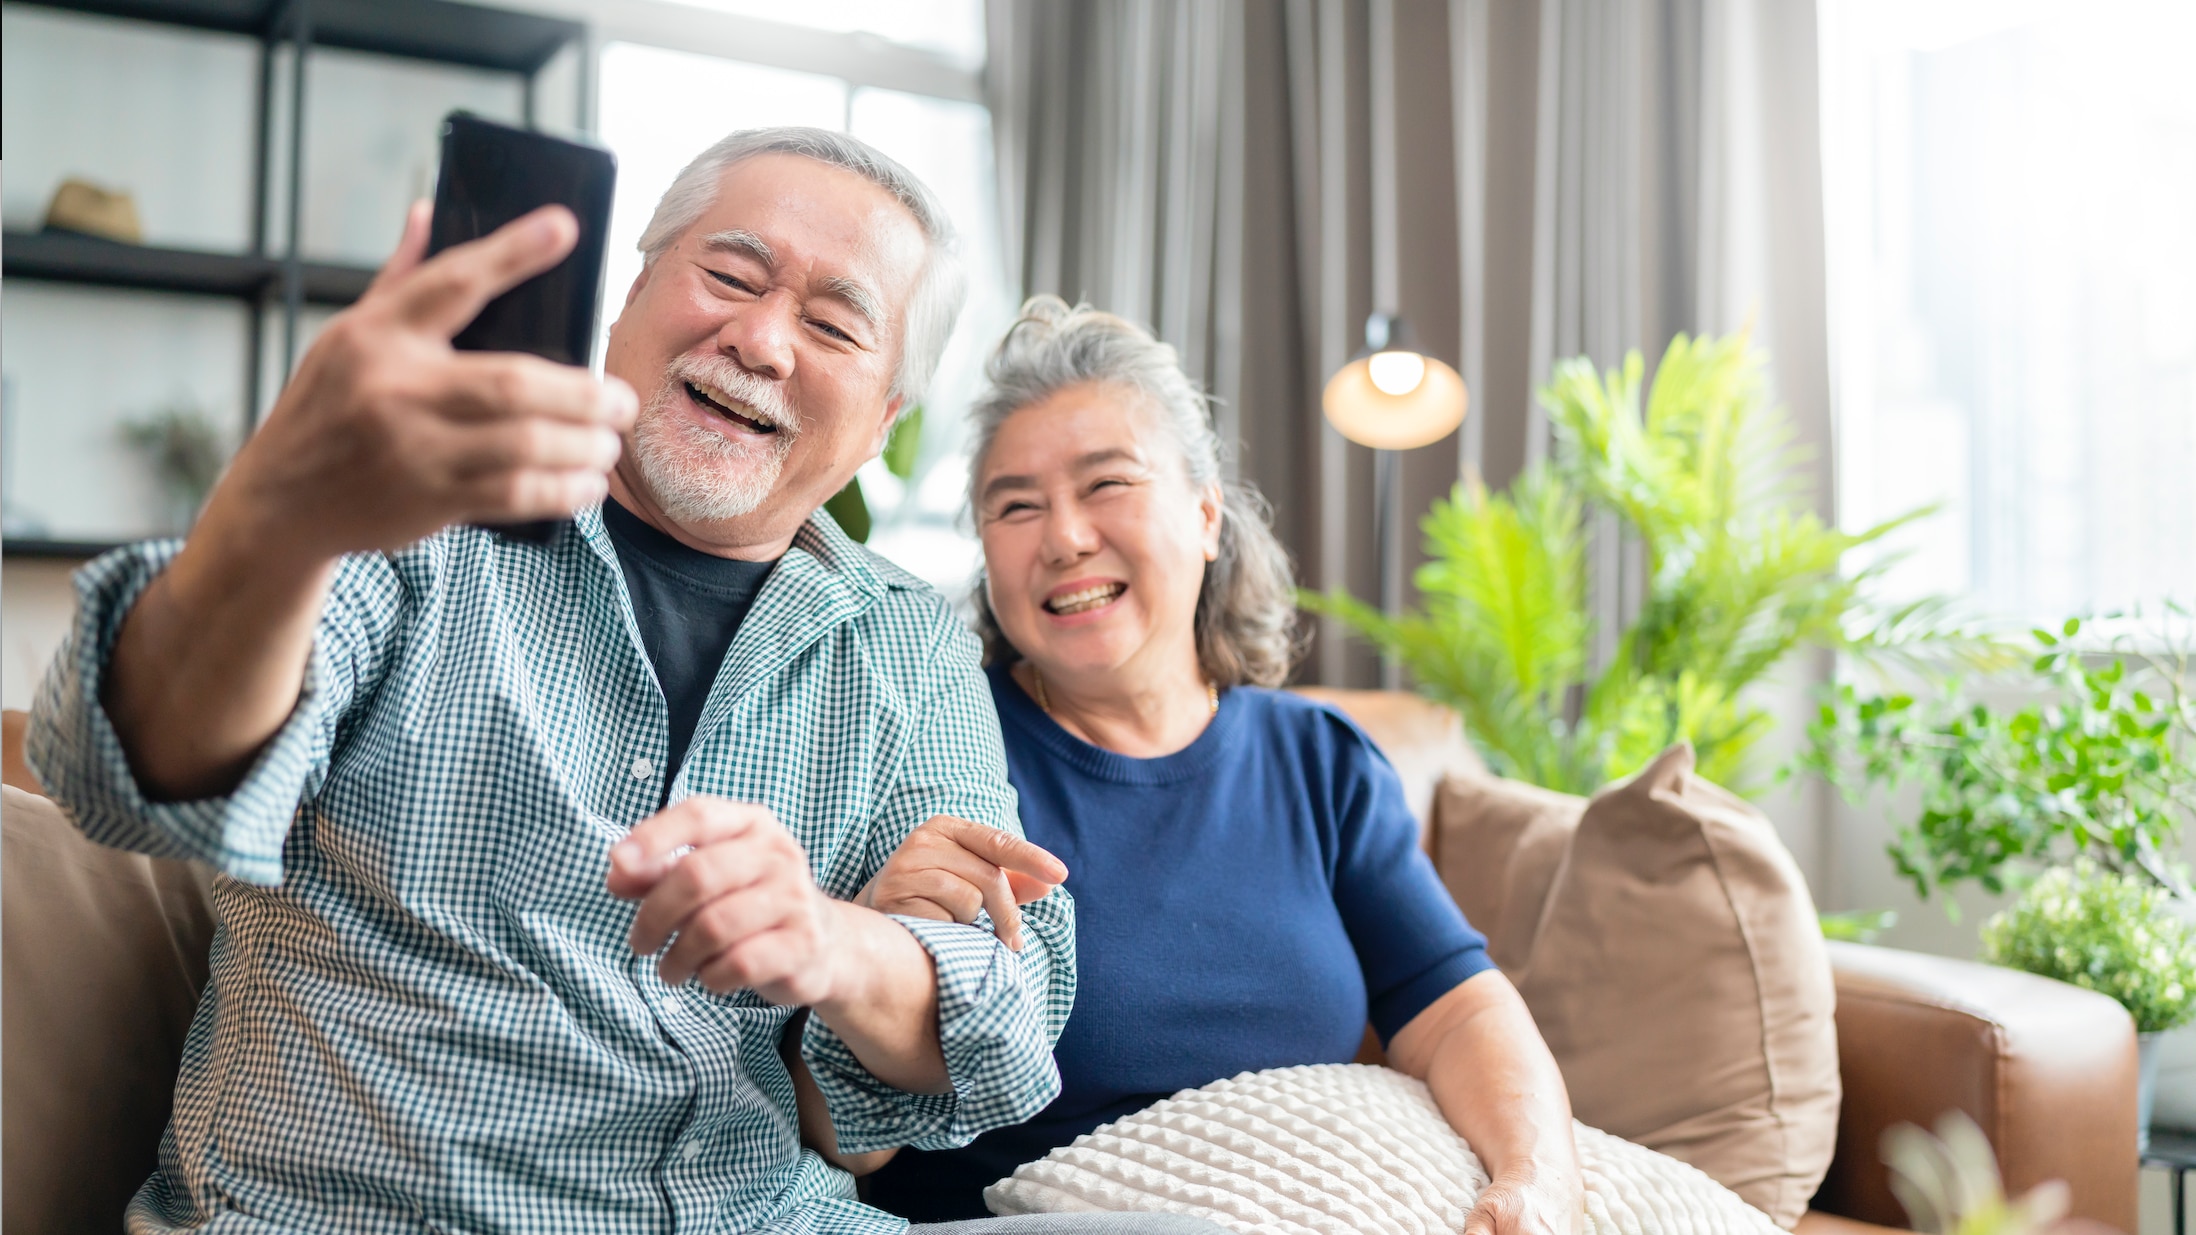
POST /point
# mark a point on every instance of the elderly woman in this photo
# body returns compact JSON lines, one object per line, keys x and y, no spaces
{"x":1248,"y":883}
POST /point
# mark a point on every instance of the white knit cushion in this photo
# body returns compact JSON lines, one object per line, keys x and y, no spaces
{"x":1340,"y":1149}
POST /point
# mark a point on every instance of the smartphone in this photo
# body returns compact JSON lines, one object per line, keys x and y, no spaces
{"x":493,"y":173}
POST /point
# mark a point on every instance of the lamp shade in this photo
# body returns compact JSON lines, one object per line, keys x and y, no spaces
{"x":1373,"y":401}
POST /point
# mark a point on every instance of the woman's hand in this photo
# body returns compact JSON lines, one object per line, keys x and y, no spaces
{"x":949,"y":869}
{"x":1528,"y":1200}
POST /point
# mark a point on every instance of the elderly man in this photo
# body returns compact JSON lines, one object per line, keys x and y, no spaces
{"x":529,"y":855}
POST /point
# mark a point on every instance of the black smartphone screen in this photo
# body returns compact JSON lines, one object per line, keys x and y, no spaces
{"x":493,"y":173}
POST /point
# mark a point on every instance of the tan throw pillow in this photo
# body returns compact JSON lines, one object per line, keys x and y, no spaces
{"x":1673,"y":964}
{"x":1497,"y":844}
{"x":106,"y":956}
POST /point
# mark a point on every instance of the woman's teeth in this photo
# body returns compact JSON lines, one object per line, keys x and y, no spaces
{"x":723,"y":404}
{"x":1086,"y":600}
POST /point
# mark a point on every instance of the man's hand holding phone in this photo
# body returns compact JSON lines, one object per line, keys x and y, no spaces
{"x":387,"y":433}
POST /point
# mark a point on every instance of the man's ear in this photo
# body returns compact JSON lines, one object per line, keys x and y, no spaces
{"x":639,"y":281}
{"x":893,"y":407}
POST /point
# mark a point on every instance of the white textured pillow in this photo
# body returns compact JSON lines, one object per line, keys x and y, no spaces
{"x":1341,"y":1149}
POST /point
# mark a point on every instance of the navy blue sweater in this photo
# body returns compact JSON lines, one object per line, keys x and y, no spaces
{"x":1248,"y":902}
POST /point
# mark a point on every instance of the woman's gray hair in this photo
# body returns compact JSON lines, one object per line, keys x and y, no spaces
{"x":1246,"y":611}
{"x":938,"y":292}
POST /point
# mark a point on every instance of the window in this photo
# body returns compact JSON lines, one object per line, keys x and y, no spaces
{"x":953,"y":28}
{"x":2013,"y":267}
{"x":659,"y":108}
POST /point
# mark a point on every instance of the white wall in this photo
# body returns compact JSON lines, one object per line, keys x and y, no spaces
{"x":83,"y":361}
{"x":40,"y":604}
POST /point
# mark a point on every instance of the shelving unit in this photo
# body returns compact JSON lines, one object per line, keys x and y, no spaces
{"x":485,"y":38}
{"x":440,"y":31}
{"x":66,"y":257}
{"x":65,"y":550}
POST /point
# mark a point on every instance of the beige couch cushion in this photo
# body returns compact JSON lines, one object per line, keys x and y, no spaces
{"x":105,"y":958}
{"x":1666,"y":944}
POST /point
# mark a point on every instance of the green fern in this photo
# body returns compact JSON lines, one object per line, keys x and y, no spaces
{"x":1740,"y":572}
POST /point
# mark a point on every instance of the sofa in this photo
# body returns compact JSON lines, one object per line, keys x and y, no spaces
{"x":2046,"y":1069}
{"x":106,"y":954}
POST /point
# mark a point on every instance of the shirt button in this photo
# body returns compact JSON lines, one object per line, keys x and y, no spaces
{"x":642,"y":768}
{"x":691,"y":1151}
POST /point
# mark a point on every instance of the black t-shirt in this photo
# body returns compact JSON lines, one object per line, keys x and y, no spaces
{"x":689,"y":604}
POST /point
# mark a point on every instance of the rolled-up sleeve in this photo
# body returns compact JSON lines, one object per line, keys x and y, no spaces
{"x":998,"y":1054}
{"x":999,"y":1011}
{"x":73,"y":748}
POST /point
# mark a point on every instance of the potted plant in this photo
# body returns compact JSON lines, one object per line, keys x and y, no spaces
{"x":2111,"y":933}
{"x":1700,"y":469}
{"x":186,"y":453}
{"x":2087,"y":786}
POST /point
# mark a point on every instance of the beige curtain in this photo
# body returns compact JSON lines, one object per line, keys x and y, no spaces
{"x":1523,"y":179}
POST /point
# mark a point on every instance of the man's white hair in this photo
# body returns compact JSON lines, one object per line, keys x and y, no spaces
{"x":940,"y":289}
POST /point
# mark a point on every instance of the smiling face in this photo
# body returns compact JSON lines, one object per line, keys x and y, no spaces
{"x":1095,"y":540}
{"x":764,"y":342}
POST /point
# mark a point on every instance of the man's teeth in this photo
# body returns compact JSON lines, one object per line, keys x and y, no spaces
{"x":1086,"y":600}
{"x":727,"y":403}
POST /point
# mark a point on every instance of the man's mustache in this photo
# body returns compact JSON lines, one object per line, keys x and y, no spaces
{"x":750,"y":392}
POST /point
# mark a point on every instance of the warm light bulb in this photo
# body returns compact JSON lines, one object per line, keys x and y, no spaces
{"x":1397,"y":373}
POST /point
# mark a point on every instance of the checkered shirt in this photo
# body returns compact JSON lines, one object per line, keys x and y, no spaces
{"x":423,"y":1015}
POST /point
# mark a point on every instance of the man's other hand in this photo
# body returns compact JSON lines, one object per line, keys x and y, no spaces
{"x":387,"y":434}
{"x":732,"y":886}
{"x":948,"y":869}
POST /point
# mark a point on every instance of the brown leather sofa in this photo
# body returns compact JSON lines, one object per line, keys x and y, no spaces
{"x":2047,"y":1070}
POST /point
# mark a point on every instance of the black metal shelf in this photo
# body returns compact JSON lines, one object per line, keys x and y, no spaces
{"x":439,"y":30}
{"x":62,"y":550}
{"x":274,"y":285}
{"x":71,"y":257}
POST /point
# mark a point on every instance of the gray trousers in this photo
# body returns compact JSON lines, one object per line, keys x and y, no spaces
{"x":1074,"y":1224}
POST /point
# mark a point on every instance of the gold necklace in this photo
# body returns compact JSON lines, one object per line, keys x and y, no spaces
{"x":1037,"y":679}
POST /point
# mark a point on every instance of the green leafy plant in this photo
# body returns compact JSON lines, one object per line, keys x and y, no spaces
{"x":2111,"y":933}
{"x":1701,"y":473}
{"x":1857,"y":926}
{"x":2100,"y":768}
{"x":186,"y":452}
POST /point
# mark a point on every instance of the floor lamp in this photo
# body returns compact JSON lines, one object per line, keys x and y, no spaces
{"x":1392,"y":397}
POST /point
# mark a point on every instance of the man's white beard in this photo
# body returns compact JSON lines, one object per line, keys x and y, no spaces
{"x":701,"y":475}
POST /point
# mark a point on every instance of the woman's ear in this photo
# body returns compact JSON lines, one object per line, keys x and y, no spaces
{"x":1212,"y":505}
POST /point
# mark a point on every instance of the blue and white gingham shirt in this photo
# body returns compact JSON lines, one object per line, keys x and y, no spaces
{"x":423,"y":1015}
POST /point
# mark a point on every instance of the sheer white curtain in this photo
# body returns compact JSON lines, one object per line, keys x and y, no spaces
{"x":2012,"y":189}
